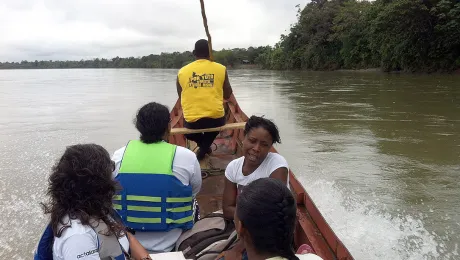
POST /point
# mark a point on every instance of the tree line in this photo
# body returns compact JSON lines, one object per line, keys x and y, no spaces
{"x":394,"y":35}
{"x":230,"y":57}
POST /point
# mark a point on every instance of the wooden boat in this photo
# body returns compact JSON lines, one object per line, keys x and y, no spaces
{"x":311,"y":227}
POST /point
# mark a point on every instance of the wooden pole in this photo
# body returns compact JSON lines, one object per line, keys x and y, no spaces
{"x":205,"y":23}
{"x":229,"y":126}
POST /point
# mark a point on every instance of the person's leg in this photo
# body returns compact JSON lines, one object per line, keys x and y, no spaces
{"x":208,"y":137}
{"x":193,"y":137}
{"x":204,"y":140}
{"x":205,"y":123}
{"x":197,"y":138}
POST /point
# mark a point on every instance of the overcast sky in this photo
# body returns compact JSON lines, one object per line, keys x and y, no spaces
{"x":82,"y":29}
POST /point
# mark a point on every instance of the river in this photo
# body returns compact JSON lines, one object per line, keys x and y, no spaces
{"x":378,"y":153}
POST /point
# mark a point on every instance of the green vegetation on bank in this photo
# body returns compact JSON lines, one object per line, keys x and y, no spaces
{"x":230,"y":58}
{"x":394,"y":35}
{"x":408,"y":35}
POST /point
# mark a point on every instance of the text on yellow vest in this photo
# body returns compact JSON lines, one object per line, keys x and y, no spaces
{"x":202,"y":83}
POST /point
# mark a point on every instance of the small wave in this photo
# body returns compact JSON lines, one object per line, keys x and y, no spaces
{"x":341,"y":90}
{"x":371,"y":233}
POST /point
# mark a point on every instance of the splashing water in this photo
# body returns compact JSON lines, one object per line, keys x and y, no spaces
{"x":370,"y":233}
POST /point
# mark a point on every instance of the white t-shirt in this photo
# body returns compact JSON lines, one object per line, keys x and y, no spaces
{"x":234,"y":170}
{"x":79,"y":242}
{"x":187,"y":169}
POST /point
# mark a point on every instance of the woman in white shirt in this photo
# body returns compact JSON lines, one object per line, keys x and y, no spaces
{"x":83,"y":226}
{"x":257,"y":161}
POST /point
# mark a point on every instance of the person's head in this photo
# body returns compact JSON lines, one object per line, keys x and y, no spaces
{"x":265,"y":218}
{"x":153,"y":122}
{"x":259,"y":136}
{"x":81,"y":186}
{"x":201,"y":50}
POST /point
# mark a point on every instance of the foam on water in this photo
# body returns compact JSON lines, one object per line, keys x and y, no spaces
{"x":22,"y":188}
{"x":24,"y":222}
{"x":371,"y":233}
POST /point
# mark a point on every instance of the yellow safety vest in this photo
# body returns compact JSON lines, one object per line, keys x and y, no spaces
{"x":202,"y":83}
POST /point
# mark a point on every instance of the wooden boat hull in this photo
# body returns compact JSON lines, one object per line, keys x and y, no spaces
{"x":311,"y":227}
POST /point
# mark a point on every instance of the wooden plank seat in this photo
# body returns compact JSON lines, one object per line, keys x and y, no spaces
{"x":181,"y":130}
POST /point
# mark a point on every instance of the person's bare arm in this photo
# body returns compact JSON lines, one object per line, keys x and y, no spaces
{"x":229,"y":206}
{"x":178,"y":87}
{"x":236,"y":252}
{"x":229,"y":199}
{"x":138,"y":252}
{"x":227,"y":87}
{"x":280,"y":174}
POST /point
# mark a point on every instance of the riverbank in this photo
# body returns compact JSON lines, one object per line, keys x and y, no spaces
{"x":245,"y":67}
{"x":367,"y":70}
{"x":258,"y":67}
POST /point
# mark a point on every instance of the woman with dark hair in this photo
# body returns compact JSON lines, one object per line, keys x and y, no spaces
{"x":265,"y":221}
{"x":83,"y":224}
{"x":257,"y":161}
{"x":152,"y":172}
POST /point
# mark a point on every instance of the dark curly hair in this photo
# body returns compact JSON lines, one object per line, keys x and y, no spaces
{"x":81,"y":187}
{"x":267,"y":209}
{"x":256,"y":122}
{"x":152,"y":122}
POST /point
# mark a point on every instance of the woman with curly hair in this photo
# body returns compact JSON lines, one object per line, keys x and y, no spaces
{"x":83,"y":224}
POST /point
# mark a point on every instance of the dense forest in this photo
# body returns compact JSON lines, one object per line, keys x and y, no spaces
{"x":230,"y":58}
{"x":394,"y":35}
{"x":407,"y":35}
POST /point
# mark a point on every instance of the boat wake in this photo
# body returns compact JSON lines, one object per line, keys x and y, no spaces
{"x":371,"y":233}
{"x":24,"y":223}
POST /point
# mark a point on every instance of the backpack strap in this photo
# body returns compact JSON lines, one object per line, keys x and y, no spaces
{"x":115,"y":217}
{"x":44,"y":250}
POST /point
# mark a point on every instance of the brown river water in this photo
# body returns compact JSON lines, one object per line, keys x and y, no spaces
{"x":379,"y":154}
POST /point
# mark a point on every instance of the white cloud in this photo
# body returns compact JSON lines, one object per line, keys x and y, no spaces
{"x":79,"y":29}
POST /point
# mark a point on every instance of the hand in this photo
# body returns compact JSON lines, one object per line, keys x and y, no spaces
{"x":138,"y":252}
{"x":233,"y":254}
{"x":146,"y":258}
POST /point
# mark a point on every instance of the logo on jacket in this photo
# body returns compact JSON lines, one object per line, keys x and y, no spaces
{"x":94,"y":251}
{"x":201,"y":81}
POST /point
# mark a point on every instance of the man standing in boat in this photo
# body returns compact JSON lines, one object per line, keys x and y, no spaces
{"x":202,"y":87}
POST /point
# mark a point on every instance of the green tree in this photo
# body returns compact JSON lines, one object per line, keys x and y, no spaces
{"x":351,"y":28}
{"x":401,"y":34}
{"x":446,"y":46}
